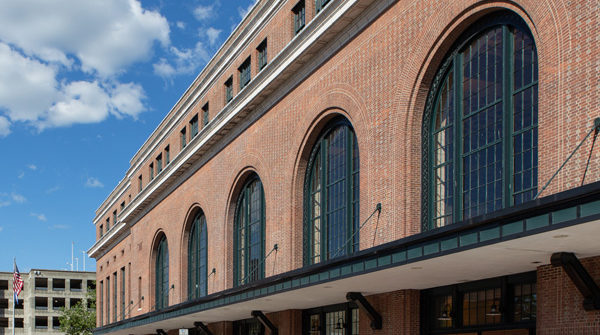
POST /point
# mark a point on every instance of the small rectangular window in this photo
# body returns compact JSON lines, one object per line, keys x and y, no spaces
{"x":262,"y":54}
{"x":228,"y":90}
{"x":115,"y":293}
{"x":41,"y":284}
{"x":115,"y":218}
{"x":58,"y":303}
{"x":140,"y":183}
{"x":76,"y":285}
{"x":320,"y":4}
{"x":183,"y":138}
{"x":55,"y":322}
{"x":151,"y":171}
{"x":122,"y":206}
{"x":101,"y":230}
{"x":205,"y":114}
{"x":41,"y":322}
{"x":194,"y":126}
{"x":41,"y":303}
{"x":107,"y":224}
{"x":159,"y":164}
{"x":167,"y":155}
{"x":299,"y":16}
{"x":58,"y":284}
{"x":245,"y":73}
{"x":123,"y":300}
{"x":100,"y":305}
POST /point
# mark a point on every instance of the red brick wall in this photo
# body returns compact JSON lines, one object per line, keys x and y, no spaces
{"x":560,"y":304}
{"x":399,"y":311}
{"x":379,"y":81}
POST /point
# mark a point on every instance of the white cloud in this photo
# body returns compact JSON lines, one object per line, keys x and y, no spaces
{"x":180,"y":24}
{"x":203,"y":12}
{"x":1,"y":229}
{"x":52,"y":189}
{"x":41,"y":42}
{"x":4,"y":126}
{"x":213,"y":35}
{"x":21,"y":175}
{"x":40,"y":217}
{"x":18,"y":198}
{"x":184,"y":61}
{"x":104,"y":36}
{"x":32,"y":167}
{"x":93,"y":182}
{"x":59,"y":226}
{"x":4,"y":203}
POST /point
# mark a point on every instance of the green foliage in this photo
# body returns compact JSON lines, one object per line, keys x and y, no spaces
{"x":79,"y":319}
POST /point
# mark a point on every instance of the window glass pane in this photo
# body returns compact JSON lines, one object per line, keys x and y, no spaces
{"x":443,"y":151}
{"x":249,"y":226}
{"x":335,"y":323}
{"x":336,"y":189}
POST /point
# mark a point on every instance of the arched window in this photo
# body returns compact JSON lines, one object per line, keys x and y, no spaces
{"x":162,"y":274}
{"x":249,"y":233}
{"x":480,"y":125}
{"x":331,"y":195}
{"x":197,"y":259}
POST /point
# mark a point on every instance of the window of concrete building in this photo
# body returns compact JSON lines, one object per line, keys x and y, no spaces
{"x":480,"y":124}
{"x":320,"y":4}
{"x":151,"y":171}
{"x":41,"y":284}
{"x":140,"y":184}
{"x":228,"y":90}
{"x":249,"y":233}
{"x":245,"y":73}
{"x":183,"y":138}
{"x":18,"y":322}
{"x":41,"y":303}
{"x":107,"y":224}
{"x":91,"y":285}
{"x":3,"y":285}
{"x":338,"y":319}
{"x":76,"y":285}
{"x":197,"y":258}
{"x":115,"y":217}
{"x":261,"y":52}
{"x":3,"y":323}
{"x":332,"y":195}
{"x":58,"y":303}
{"x":205,"y":114}
{"x":41,"y":322}
{"x":162,"y":274}
{"x":20,"y":304}
{"x":3,"y":303}
{"x":74,"y":301}
{"x":101,"y":230}
{"x":55,"y":322}
{"x":299,"y":16}
{"x":58,"y":284}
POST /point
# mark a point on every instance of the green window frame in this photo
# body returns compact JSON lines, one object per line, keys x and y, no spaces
{"x":262,"y":54}
{"x":205,"y":114}
{"x":183,"y":137}
{"x":194,"y":126}
{"x":151,"y":171}
{"x":299,"y":12}
{"x":320,"y":4}
{"x":245,"y":73}
{"x":197,"y":258}
{"x":115,"y":294}
{"x":100,"y":304}
{"x":108,"y":300}
{"x":162,"y":274}
{"x":249,"y":232}
{"x":228,"y":90}
{"x":167,"y":155}
{"x":159,"y":165}
{"x":332,"y":194}
{"x":123,"y":300}
{"x":480,"y":124}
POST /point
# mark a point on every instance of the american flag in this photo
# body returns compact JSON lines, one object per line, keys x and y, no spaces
{"x":17,"y":283}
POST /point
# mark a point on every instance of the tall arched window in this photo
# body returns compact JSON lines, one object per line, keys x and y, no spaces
{"x":162,"y":274}
{"x":331,"y":195}
{"x":249,"y":233}
{"x":480,"y":124}
{"x":197,"y":259}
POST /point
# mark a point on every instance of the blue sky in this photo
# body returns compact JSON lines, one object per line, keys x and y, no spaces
{"x":82,"y":84}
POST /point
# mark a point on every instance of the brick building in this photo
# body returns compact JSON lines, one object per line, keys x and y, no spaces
{"x":45,"y":293}
{"x":369,"y":167}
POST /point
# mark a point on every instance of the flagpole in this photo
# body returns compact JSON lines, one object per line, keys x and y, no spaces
{"x":14,"y":304}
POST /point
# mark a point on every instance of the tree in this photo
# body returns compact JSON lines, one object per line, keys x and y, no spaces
{"x":81,"y":318}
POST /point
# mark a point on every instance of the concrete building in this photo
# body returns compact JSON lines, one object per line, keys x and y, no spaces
{"x":369,"y":167}
{"x":44,"y":293}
